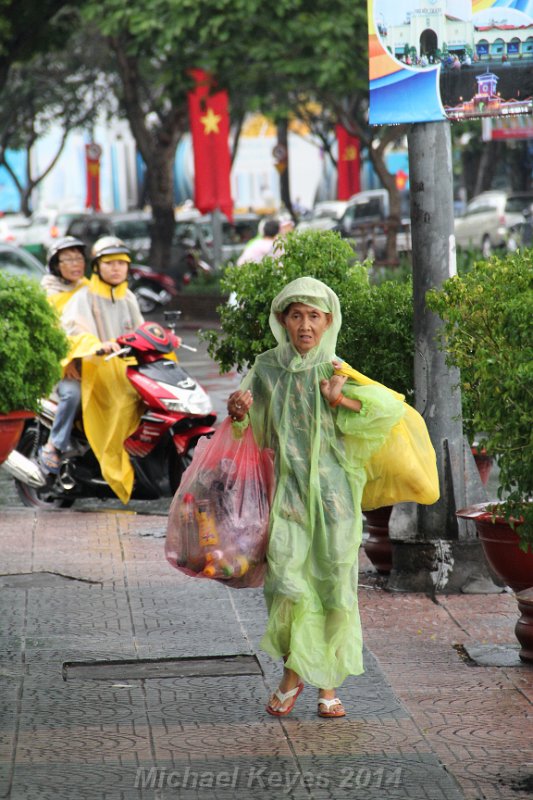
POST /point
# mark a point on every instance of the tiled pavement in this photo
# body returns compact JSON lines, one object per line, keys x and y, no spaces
{"x":423,"y":723}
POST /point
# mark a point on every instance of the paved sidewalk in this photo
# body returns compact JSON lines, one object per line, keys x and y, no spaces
{"x":423,"y":723}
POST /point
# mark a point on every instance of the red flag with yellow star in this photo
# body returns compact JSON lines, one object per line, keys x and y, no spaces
{"x":348,"y":164}
{"x":209,"y":123}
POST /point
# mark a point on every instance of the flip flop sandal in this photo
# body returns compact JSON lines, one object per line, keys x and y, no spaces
{"x":49,"y":460}
{"x":329,"y":705}
{"x":283,"y":697}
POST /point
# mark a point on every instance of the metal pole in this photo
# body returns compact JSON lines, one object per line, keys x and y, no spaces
{"x":436,"y":551}
{"x":216,"y":219}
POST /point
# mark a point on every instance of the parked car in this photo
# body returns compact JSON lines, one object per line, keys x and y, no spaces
{"x":13,"y":228}
{"x":235,"y":235}
{"x":485,"y":223}
{"x":324,"y":215}
{"x":133,"y":227}
{"x":193,"y":241}
{"x":42,"y":228}
{"x":365,"y":221}
{"x":17,"y":261}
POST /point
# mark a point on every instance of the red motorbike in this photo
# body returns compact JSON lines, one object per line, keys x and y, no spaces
{"x":177,"y":413}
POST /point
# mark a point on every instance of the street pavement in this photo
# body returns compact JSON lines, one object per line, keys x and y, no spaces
{"x":122,"y":679}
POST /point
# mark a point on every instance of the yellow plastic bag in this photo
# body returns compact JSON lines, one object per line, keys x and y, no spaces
{"x":405,"y":468}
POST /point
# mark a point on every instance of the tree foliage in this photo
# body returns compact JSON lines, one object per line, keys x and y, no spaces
{"x":263,"y":53}
{"x":25,"y":29}
{"x":244,"y":321}
{"x":376,"y":336}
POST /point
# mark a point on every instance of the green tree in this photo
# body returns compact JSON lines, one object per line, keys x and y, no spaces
{"x":25,"y":29}
{"x":245,"y":330}
{"x":269,"y":55}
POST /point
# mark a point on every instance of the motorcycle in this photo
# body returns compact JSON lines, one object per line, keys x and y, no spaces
{"x":177,"y":413}
{"x":152,"y":289}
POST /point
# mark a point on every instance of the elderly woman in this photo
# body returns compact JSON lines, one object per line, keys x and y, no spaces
{"x":308,"y":415}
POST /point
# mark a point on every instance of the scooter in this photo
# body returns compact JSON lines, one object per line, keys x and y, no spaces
{"x":153,"y":290}
{"x":178,"y":412}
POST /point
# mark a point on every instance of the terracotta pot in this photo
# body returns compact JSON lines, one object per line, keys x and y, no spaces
{"x":524,"y":626}
{"x":378,"y":546}
{"x":500,"y":546}
{"x":11,"y":427}
{"x":484,"y":463}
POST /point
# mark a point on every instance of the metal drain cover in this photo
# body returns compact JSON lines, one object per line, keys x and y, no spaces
{"x":162,"y":668}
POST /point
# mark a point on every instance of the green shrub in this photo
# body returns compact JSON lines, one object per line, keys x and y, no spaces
{"x":488,"y":317}
{"x":245,"y":331}
{"x":376,"y":336}
{"x":31,"y":345}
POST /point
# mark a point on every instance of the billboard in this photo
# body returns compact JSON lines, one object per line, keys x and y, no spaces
{"x":431,"y":60}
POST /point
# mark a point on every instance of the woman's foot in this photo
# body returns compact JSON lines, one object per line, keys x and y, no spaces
{"x":329,"y":705}
{"x":49,"y":458}
{"x":284,"y":698}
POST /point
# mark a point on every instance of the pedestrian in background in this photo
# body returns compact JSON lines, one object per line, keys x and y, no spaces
{"x":260,"y":247}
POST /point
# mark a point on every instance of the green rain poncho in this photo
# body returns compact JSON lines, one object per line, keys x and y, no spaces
{"x":316,"y":520}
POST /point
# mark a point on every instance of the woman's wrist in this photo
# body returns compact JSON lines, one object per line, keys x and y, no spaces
{"x":346,"y":402}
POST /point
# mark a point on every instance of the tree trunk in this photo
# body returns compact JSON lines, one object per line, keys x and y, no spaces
{"x":157,"y":145}
{"x":283,"y":164}
{"x":160,"y":188}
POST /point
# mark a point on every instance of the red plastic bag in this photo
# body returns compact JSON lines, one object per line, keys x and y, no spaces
{"x":218,"y":520}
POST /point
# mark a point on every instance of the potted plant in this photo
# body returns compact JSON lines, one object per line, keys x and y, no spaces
{"x":487,"y":334}
{"x":31,"y":347}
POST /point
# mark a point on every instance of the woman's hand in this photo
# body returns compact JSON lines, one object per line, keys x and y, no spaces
{"x":239,"y":404}
{"x":332,"y":392}
{"x":110,"y":347}
{"x":331,"y":389}
{"x":72,"y":372}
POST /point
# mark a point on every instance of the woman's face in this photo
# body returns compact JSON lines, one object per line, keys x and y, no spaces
{"x":305,"y":326}
{"x":71,"y":264}
{"x":113,"y":272}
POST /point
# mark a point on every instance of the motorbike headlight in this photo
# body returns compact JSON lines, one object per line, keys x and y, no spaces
{"x":172,"y":404}
{"x":200,"y":404}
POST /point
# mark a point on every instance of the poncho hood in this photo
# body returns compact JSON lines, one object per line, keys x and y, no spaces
{"x":313,"y":293}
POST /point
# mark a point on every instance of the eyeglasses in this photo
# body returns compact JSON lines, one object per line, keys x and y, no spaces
{"x":71,"y":259}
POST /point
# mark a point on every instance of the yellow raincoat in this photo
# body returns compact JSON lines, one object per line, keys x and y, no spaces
{"x":405,"y":468}
{"x":58,"y":293}
{"x":111,"y":407}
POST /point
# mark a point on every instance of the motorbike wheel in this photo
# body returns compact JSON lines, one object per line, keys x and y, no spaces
{"x":29,"y":495}
{"x":146,"y":305}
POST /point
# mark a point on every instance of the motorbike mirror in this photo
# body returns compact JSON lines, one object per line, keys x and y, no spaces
{"x":171,"y":319}
{"x":171,"y":316}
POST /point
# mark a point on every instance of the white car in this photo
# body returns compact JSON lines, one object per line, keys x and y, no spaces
{"x":486,"y":220}
{"x":44,"y":227}
{"x":13,"y":228}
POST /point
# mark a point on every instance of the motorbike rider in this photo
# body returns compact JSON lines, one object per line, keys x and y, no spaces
{"x":65,"y":276}
{"x":93,"y":318}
